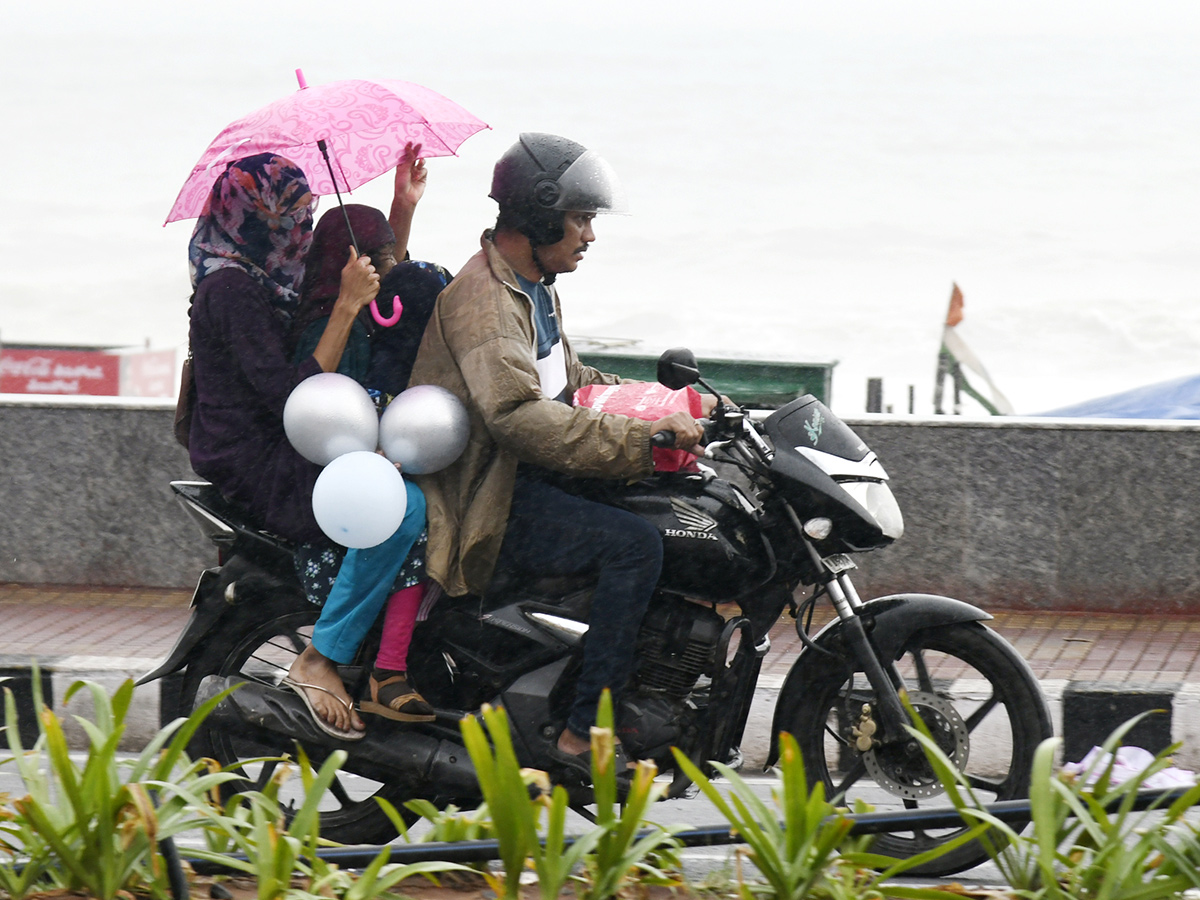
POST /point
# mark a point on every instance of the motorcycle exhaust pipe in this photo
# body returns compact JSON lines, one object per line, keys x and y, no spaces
{"x":390,"y":751}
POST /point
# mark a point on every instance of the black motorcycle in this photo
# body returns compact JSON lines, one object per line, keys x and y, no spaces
{"x":803,"y":494}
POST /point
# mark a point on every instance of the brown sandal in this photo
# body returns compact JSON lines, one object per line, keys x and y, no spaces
{"x":401,"y":704}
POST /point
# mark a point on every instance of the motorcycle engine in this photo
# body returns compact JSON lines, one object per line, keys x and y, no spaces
{"x":675,"y":646}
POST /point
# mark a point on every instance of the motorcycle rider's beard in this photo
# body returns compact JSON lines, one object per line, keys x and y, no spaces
{"x":547,"y":277}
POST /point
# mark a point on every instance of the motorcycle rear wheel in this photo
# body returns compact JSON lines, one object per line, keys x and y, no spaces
{"x":262,"y":649}
{"x":983,"y":706}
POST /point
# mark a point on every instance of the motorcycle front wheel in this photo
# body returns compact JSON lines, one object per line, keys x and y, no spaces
{"x":981,"y":704}
{"x":261,"y":647}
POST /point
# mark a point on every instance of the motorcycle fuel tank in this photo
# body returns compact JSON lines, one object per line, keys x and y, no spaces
{"x":713,"y":549}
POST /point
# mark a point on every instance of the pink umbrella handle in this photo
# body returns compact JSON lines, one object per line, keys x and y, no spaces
{"x":300,"y":78}
{"x":397,"y":309}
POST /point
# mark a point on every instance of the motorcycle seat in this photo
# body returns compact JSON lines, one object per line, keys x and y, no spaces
{"x":507,"y":587}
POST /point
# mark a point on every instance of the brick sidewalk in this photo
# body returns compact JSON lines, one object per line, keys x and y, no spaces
{"x":1114,"y":665}
{"x":53,"y":621}
{"x":1110,"y":647}
{"x":48,"y":620}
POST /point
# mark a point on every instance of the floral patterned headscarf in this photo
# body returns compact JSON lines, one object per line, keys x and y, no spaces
{"x":258,"y":218}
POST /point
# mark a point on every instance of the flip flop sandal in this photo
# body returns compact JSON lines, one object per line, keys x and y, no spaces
{"x":301,"y":689}
{"x":394,"y":708}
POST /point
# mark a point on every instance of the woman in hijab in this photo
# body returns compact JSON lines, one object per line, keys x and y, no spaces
{"x":322,"y":281}
{"x":378,"y":357}
{"x":247,"y":260}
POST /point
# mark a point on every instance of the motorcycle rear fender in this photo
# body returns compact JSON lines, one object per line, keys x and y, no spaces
{"x":208,"y":605}
{"x":896,"y":618}
{"x":240,"y":582}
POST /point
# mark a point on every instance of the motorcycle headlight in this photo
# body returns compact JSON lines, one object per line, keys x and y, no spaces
{"x":876,"y":498}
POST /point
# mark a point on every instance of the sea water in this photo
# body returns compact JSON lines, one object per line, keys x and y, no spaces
{"x":807,"y":181}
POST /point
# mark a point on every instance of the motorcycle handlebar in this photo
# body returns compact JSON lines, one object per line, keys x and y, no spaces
{"x":666,"y":437}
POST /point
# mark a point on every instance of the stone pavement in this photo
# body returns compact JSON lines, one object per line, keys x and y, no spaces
{"x":1096,"y":669}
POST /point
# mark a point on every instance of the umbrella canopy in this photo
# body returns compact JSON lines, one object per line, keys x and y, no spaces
{"x":365,"y":124}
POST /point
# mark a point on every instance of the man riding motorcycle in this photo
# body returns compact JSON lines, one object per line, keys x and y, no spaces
{"x":505,"y":506}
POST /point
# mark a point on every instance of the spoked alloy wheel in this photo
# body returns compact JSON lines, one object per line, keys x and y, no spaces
{"x":982,"y":706}
{"x":263,"y":651}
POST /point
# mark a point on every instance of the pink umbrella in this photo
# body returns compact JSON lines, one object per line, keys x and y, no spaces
{"x":364,"y":124}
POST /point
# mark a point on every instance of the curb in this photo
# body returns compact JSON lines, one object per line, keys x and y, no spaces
{"x":57,"y":674}
{"x":1083,"y":713}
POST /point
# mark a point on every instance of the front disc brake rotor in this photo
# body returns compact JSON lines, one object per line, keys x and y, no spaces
{"x":901,"y":768}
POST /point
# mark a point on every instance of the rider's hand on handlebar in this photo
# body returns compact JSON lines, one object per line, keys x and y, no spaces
{"x":708,"y":403}
{"x":688,"y":432}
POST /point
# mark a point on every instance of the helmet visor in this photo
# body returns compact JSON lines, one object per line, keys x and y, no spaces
{"x":591,"y":185}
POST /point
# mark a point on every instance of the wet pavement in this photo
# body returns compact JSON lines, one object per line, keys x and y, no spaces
{"x":51,"y":622}
{"x":107,"y":634}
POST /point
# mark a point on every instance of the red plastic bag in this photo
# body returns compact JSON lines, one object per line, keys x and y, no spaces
{"x":645,"y":400}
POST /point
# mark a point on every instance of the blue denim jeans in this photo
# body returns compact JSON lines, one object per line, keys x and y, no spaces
{"x":364,"y":583}
{"x":552,"y":533}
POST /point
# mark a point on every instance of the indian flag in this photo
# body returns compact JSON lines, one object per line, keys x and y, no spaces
{"x":954,"y":357}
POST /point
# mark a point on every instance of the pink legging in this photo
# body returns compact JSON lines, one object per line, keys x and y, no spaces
{"x":398,"y":624}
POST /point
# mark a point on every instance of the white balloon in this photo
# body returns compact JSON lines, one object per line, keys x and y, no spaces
{"x":424,"y":429}
{"x":359,"y":499}
{"x":328,"y":415}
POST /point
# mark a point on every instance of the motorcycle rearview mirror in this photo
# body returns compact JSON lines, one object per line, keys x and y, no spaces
{"x":677,"y":368}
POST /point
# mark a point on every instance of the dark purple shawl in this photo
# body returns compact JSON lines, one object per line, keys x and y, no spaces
{"x":245,"y":290}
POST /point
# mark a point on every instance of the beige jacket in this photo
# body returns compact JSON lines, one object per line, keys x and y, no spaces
{"x":480,"y":344}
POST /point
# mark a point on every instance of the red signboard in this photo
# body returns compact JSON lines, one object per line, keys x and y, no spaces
{"x":148,"y":374}
{"x":59,"y":372}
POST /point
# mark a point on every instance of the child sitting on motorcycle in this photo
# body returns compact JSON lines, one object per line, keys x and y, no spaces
{"x":352,"y":587}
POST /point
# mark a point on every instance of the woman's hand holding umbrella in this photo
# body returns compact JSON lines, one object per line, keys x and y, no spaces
{"x":360,"y":284}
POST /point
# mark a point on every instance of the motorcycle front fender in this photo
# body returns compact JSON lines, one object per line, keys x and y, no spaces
{"x":890,"y":622}
{"x":208,"y":605}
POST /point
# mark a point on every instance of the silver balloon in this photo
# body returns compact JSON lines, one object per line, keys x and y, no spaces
{"x":328,"y":415}
{"x":424,"y":429}
{"x":359,"y":499}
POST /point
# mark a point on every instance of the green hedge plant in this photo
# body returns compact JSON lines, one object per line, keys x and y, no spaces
{"x":627,"y":847}
{"x":1086,"y":839}
{"x":96,"y":827}
{"x":802,"y":846}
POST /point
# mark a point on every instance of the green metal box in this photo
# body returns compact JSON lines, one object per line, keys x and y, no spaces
{"x":759,"y":383}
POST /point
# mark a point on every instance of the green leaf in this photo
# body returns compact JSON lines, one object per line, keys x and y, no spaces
{"x":514,"y":820}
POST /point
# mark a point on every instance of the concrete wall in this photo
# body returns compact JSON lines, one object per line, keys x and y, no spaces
{"x":1042,"y":514}
{"x":1006,"y":513}
{"x":84,"y":496}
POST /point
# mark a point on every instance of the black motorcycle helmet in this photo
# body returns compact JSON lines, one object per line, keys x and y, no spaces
{"x":543,"y":176}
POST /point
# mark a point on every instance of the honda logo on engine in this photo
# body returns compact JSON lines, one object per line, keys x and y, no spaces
{"x":696,"y":524}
